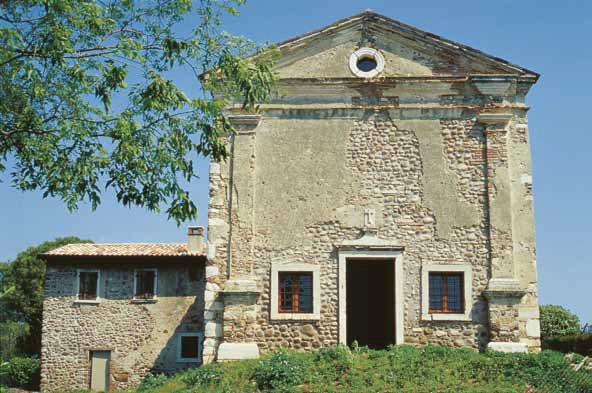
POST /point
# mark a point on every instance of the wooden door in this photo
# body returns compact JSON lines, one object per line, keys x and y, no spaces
{"x":99,"y":371}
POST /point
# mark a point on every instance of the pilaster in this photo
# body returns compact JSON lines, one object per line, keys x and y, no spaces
{"x":504,"y":291}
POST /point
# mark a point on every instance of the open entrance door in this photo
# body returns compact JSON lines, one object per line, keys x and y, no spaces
{"x":371,"y":302}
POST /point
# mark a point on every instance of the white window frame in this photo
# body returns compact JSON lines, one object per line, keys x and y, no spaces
{"x":199,"y":347}
{"x":94,"y":301}
{"x":276,"y":269}
{"x":155,"y":270}
{"x":467,"y":271}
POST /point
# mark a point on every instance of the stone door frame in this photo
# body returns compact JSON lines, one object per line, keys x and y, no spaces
{"x":397,"y":257}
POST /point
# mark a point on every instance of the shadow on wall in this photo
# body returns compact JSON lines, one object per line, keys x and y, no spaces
{"x":183,"y":348}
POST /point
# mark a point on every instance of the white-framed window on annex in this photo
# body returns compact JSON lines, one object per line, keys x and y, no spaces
{"x":145,"y":284}
{"x":189,"y":347}
{"x":87,"y":285}
{"x":295,"y":291}
{"x":446,"y":292}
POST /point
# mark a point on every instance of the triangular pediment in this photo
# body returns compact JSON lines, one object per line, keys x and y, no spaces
{"x":407,"y":52}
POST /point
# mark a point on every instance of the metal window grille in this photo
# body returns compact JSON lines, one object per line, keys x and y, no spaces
{"x":446,"y":292}
{"x":295,"y":292}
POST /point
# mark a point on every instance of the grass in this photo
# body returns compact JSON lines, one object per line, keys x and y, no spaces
{"x":398,"y":369}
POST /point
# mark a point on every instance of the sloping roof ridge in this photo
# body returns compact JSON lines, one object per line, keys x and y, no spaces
{"x":123,"y":249}
{"x":370,"y":15}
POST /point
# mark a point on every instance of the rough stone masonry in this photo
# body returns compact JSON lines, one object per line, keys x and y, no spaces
{"x":383,"y":144}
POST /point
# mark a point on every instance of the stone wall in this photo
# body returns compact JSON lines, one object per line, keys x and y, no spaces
{"x":141,"y":336}
{"x":425,"y":179}
{"x":436,"y":145}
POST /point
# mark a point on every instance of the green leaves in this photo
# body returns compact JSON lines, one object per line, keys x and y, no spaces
{"x":24,"y":304}
{"x":88,"y":103}
{"x":557,"y":321}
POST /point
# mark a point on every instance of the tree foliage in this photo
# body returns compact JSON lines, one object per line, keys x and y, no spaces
{"x":557,"y":321}
{"x":88,"y":101}
{"x":25,"y":303}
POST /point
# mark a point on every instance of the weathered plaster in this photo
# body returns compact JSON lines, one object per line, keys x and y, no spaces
{"x":440,"y":188}
{"x":301,"y":176}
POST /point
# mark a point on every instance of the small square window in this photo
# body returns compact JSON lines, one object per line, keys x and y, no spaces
{"x":88,"y":285}
{"x":145,"y":284}
{"x":189,"y":347}
{"x":295,"y":292}
{"x":446,"y":292}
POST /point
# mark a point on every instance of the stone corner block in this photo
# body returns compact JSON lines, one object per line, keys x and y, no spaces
{"x":508,"y":347}
{"x":533,"y":328}
{"x":212,"y":271}
{"x":237,"y":351}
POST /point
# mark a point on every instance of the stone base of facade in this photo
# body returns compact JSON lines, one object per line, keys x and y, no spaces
{"x":237,"y":351}
{"x":509,"y":347}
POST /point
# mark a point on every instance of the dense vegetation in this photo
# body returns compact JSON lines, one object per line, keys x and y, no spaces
{"x":398,"y":369}
{"x":21,"y":305}
{"x":557,"y":321}
{"x":104,"y":96}
{"x":560,"y":331}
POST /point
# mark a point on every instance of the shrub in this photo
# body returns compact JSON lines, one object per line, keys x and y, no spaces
{"x":579,"y":343}
{"x":557,"y":321}
{"x":21,"y":372}
{"x":280,"y":370}
{"x":12,"y":336}
{"x":152,"y":382}
{"x":203,"y":376}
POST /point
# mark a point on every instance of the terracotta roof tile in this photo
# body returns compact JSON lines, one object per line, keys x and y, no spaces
{"x":124,"y":250}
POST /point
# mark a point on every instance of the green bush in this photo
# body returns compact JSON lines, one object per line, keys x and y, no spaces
{"x":152,"y":382}
{"x":281,"y":370}
{"x":12,"y":336}
{"x":557,"y":321}
{"x":578,"y":343}
{"x":203,"y":376}
{"x":21,"y":373}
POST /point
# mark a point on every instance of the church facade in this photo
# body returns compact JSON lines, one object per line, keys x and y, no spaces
{"x":383,"y":196}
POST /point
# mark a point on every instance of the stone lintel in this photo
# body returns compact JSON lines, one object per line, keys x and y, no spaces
{"x":504,"y":288}
{"x":241,"y":286}
{"x":508,"y":347}
{"x":237,"y":351}
{"x":370,"y":241}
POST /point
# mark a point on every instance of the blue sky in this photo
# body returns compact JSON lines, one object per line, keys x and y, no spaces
{"x":550,"y":37}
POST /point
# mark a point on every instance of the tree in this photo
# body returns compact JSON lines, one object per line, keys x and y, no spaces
{"x":64,"y":62}
{"x":557,"y":321}
{"x":25,"y":303}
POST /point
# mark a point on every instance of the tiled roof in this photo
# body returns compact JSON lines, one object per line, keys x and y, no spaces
{"x":124,"y":250}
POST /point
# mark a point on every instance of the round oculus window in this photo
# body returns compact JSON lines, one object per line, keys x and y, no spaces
{"x":366,"y":62}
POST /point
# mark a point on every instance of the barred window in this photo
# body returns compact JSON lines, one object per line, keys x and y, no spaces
{"x":87,"y":285}
{"x":446,"y":292}
{"x":295,"y":292}
{"x":145,"y":284}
